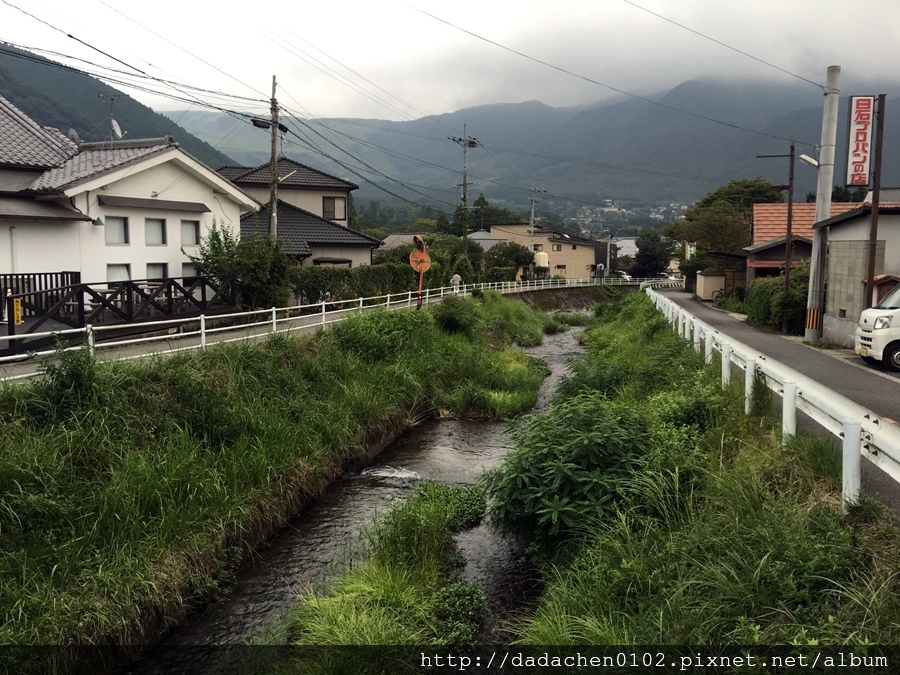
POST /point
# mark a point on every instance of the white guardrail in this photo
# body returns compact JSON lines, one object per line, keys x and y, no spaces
{"x":861,"y":431}
{"x":174,"y":335}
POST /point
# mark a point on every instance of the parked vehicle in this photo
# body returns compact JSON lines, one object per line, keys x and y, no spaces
{"x":624,"y":276}
{"x":878,"y":332}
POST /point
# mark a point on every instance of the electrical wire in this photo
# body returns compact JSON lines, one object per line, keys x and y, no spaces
{"x":610,"y":87}
{"x":727,"y":46}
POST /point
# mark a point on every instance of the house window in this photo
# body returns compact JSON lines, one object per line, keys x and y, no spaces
{"x":116,"y":273}
{"x":188,"y":273}
{"x":116,"y":231}
{"x":557,"y":247}
{"x":538,"y":247}
{"x":190,"y":232}
{"x":157,"y":270}
{"x":334,"y":208}
{"x":574,"y":247}
{"x":560,"y":267}
{"x":155,"y":232}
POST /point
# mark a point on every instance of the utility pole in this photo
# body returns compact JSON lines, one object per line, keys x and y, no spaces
{"x":273,"y":198}
{"x":815,"y":299}
{"x":534,"y":191}
{"x":789,"y":236}
{"x":466,"y":142}
{"x":869,"y":299}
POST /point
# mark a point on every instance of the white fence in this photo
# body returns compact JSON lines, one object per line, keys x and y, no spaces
{"x":861,"y":430}
{"x":175,"y":335}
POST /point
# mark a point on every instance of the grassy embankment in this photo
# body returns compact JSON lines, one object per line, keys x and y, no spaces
{"x":661,"y":514}
{"x":129,"y":490}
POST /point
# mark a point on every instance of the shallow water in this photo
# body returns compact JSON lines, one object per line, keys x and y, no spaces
{"x":308,"y":550}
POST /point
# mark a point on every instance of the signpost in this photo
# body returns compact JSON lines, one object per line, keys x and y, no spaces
{"x":420,"y":261}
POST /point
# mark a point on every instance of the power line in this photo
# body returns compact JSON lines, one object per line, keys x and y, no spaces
{"x":727,"y":46}
{"x":606,"y":86}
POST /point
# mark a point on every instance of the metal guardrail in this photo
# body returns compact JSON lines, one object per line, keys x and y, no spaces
{"x":862,"y":432}
{"x":190,"y":333}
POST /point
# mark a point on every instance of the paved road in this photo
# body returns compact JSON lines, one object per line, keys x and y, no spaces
{"x":838,"y":369}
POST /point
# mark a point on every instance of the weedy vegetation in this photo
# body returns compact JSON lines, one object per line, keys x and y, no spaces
{"x":129,"y":491}
{"x":661,"y":514}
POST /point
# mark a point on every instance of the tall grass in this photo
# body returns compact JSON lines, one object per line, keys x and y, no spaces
{"x":407,"y":589}
{"x":129,"y":490}
{"x":717,"y":536}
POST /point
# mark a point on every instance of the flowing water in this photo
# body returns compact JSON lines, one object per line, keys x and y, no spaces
{"x":309,"y":549}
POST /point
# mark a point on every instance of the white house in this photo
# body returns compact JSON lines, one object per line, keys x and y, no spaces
{"x":113,"y":210}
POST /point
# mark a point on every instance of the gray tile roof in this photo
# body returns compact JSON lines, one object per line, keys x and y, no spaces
{"x":301,"y":229}
{"x":96,"y":159}
{"x":292,"y":174}
{"x":24,"y":143}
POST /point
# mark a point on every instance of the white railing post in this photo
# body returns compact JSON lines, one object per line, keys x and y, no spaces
{"x":360,"y":303}
{"x":274,"y":320}
{"x":323,"y":312}
{"x":726,"y":363}
{"x":680,"y":324}
{"x":709,"y":346}
{"x":788,"y":412}
{"x":852,"y":458}
{"x":698,"y":331}
{"x":387,"y":303}
{"x":749,"y":376}
{"x":203,"y":332}
{"x":89,"y":336}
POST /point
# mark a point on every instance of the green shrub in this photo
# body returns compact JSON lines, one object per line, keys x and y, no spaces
{"x":380,"y":334}
{"x":456,"y":314}
{"x":566,"y":466}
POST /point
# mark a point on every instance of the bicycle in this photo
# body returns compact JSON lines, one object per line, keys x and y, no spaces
{"x":718,"y":294}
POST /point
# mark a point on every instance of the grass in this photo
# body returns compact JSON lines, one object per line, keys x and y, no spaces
{"x":718,"y":536}
{"x":406,"y":590}
{"x":129,"y":491}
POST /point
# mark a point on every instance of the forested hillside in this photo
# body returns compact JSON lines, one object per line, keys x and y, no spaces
{"x":56,"y":96}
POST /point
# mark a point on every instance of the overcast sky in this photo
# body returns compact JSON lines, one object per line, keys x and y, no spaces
{"x":390,"y":60}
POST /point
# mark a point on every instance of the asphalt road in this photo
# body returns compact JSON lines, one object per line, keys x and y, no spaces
{"x":838,"y":369}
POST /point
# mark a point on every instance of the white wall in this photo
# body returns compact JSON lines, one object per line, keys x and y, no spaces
{"x":82,"y":246}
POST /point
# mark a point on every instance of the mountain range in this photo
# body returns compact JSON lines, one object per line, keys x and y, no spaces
{"x":672,"y":147}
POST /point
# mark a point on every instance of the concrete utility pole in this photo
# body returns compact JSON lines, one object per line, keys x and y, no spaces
{"x":273,"y":198}
{"x":815,"y":299}
{"x":466,"y":142}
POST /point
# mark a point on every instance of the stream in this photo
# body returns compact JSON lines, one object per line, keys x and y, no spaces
{"x":306,"y":553}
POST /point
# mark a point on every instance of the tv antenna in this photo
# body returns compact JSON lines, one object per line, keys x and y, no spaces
{"x":112,"y":98}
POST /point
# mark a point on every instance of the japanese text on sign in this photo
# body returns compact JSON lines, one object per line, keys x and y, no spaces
{"x":859,"y":140}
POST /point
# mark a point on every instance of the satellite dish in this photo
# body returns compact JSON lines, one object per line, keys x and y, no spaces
{"x":74,"y":137}
{"x":117,"y":130}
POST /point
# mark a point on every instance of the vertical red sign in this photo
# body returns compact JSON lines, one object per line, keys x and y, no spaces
{"x":859,"y":140}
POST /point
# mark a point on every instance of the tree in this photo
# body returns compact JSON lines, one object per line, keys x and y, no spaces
{"x":841,"y":193}
{"x":721,"y":220}
{"x":508,"y":254}
{"x":256,"y":266}
{"x":653,"y":255}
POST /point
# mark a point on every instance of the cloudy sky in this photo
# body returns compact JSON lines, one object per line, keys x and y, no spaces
{"x":402,"y":60}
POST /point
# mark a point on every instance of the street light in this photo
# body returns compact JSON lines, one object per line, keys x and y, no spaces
{"x":806,"y":159}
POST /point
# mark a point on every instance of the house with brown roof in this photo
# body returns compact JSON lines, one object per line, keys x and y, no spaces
{"x":111,"y":211}
{"x":766,"y":254}
{"x":313,"y":215}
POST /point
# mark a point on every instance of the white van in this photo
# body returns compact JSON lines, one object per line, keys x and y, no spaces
{"x":878,"y":332}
